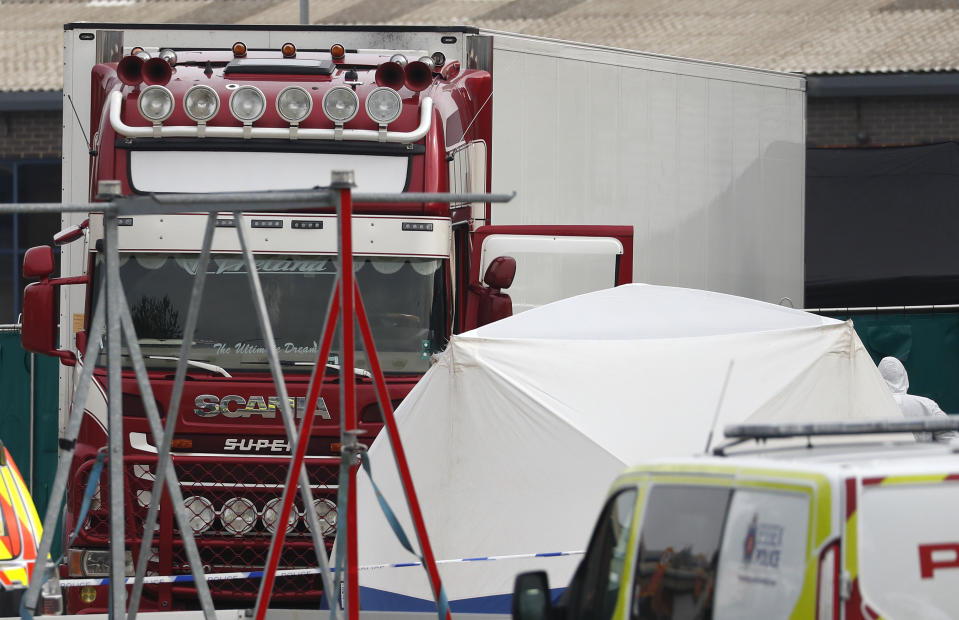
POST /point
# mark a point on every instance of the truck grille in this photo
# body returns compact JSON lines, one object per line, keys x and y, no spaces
{"x":232,"y":504}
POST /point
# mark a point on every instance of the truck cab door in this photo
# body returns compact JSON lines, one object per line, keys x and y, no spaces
{"x":516,"y":268}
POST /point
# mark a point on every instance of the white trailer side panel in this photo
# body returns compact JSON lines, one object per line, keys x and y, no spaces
{"x":706,"y":161}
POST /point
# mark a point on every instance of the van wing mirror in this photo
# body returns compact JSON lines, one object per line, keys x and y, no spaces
{"x":531,"y":596}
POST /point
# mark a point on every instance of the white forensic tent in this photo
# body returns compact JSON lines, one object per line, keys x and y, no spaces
{"x":515,"y":433}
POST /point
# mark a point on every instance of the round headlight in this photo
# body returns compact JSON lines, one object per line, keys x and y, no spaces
{"x":340,"y":104}
{"x":201,"y":103}
{"x":199,"y":510}
{"x":384,"y":105}
{"x":247,"y":104}
{"x":326,"y":514}
{"x":294,"y":104}
{"x":238,"y":515}
{"x":400,"y":59}
{"x":155,"y":103}
{"x":271,"y":514}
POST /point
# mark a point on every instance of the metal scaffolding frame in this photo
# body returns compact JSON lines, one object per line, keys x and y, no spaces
{"x":112,"y":319}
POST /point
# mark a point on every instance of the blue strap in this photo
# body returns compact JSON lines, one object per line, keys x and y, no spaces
{"x":92,"y":482}
{"x":442,"y":603}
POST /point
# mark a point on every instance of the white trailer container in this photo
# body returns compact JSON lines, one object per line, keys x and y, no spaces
{"x":706,"y":161}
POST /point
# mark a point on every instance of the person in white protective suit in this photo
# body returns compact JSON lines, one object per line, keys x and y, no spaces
{"x":911,"y":405}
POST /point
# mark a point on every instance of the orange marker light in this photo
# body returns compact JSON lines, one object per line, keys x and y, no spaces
{"x":239,"y":49}
{"x":75,"y":562}
{"x":289,"y":50}
{"x":337,"y":51}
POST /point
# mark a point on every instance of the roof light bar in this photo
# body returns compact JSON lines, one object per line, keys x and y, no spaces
{"x":848,"y":427}
{"x":273,"y":133}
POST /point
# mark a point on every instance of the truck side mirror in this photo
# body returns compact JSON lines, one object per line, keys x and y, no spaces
{"x":38,"y":332}
{"x":531,"y":596}
{"x":500,"y":273}
{"x":492,"y":303}
{"x":38,"y":262}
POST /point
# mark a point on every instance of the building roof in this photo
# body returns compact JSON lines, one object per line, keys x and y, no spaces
{"x":808,"y":36}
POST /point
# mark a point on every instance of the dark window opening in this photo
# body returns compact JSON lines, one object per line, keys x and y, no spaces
{"x":24,"y":181}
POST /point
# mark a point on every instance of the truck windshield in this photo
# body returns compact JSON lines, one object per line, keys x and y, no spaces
{"x":405,"y":299}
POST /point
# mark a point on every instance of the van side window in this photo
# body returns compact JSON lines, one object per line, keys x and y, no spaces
{"x":601,"y":572}
{"x":678,"y":552}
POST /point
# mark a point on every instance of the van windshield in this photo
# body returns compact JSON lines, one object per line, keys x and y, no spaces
{"x":405,"y":300}
{"x":679,"y":552}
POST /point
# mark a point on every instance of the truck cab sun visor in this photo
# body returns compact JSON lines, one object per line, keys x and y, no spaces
{"x":274,"y":66}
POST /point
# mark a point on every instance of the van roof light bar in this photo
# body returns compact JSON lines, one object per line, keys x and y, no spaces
{"x":737,"y":434}
{"x":848,"y":427}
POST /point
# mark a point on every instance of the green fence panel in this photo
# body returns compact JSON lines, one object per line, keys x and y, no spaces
{"x":927,"y":343}
{"x":46,"y":431}
{"x":15,"y":364}
{"x":19,"y":371}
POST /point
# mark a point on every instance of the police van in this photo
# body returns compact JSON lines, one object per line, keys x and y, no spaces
{"x":829,"y":529}
{"x":20,"y":532}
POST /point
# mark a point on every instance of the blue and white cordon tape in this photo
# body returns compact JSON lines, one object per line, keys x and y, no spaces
{"x":257,"y":574}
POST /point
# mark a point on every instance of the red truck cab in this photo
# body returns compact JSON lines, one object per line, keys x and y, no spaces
{"x":254,"y":119}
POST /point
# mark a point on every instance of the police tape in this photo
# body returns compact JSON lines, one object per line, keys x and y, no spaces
{"x":294,"y":572}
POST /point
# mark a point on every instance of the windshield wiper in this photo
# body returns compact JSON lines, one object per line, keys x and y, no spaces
{"x":203,"y":365}
{"x":360,"y":372}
